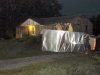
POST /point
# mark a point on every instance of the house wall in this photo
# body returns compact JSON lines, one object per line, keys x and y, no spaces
{"x":25,"y":30}
{"x":78,"y":28}
{"x":80,"y":25}
{"x":18,"y":32}
{"x":44,"y":27}
{"x":47,"y":27}
{"x":90,"y":28}
{"x":37,"y":27}
{"x":87,"y":26}
{"x":83,"y":25}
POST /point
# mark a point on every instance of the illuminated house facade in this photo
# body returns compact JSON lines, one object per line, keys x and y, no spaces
{"x":78,"y":23}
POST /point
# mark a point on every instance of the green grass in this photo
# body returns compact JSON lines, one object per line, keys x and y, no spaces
{"x":29,"y":48}
{"x":6,"y":46}
{"x":32,"y":50}
{"x":80,"y":65}
{"x":97,"y":57}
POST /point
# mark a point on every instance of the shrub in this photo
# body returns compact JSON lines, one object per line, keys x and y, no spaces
{"x":35,"y":39}
{"x":10,"y":33}
{"x":31,"y":39}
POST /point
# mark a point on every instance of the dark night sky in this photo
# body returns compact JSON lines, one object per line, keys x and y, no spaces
{"x":87,"y":7}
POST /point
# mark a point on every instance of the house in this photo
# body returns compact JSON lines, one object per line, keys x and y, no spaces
{"x":35,"y":26}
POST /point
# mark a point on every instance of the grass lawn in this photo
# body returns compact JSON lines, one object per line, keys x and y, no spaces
{"x":32,"y":50}
{"x":27,"y":49}
{"x":6,"y":46}
{"x":80,"y":65}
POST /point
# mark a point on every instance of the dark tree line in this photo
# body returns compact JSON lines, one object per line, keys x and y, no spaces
{"x":96,"y":24}
{"x":14,"y":12}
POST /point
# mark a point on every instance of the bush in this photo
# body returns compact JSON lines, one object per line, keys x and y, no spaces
{"x":10,"y":34}
{"x":35,"y":39}
{"x":24,"y":38}
{"x":31,"y":39}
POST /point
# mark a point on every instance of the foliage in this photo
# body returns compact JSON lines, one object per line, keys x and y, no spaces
{"x":96,"y":24}
{"x":24,"y":38}
{"x":10,"y":33}
{"x":30,"y":39}
{"x":42,"y":8}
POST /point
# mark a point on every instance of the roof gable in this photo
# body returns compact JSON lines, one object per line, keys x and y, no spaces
{"x":28,"y":22}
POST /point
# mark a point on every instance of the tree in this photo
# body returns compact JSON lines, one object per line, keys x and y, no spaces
{"x":96,"y":24}
{"x":41,"y":8}
{"x":13,"y":10}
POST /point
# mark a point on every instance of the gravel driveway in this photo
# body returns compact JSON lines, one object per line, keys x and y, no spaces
{"x":18,"y":62}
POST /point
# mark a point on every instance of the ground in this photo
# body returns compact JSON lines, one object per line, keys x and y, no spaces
{"x":18,"y":62}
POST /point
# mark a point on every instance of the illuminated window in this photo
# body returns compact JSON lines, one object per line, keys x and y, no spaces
{"x":32,"y":30}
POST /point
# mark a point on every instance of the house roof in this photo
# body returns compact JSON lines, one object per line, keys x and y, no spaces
{"x":52,"y":20}
{"x":63,"y":19}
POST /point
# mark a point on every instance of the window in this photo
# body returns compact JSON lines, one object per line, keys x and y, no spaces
{"x":32,"y":30}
